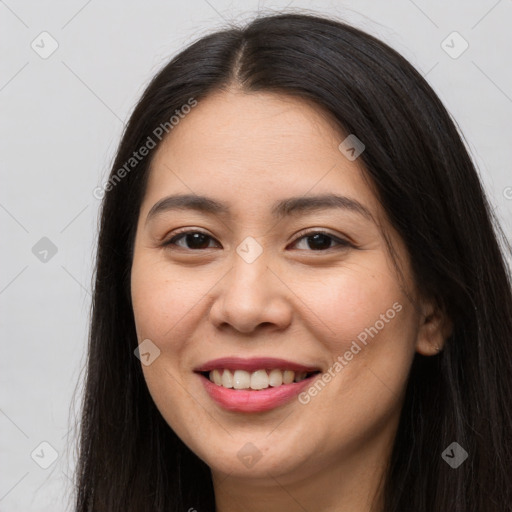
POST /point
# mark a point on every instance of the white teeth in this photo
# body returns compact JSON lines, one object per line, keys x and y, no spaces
{"x":288,"y":377}
{"x":241,"y":379}
{"x":216,"y":377}
{"x":260,"y":379}
{"x":275,"y":378}
{"x":227,"y":379}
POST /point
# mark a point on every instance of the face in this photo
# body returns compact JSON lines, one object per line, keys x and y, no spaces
{"x":306,"y":292}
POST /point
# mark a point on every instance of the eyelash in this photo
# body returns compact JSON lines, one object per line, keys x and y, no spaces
{"x":342,"y":244}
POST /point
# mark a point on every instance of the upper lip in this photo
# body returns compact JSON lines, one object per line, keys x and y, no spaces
{"x":253,"y":364}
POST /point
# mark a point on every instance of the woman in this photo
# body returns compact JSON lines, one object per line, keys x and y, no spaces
{"x":237,"y":363}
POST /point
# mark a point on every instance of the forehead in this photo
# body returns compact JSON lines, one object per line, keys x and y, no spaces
{"x":254,"y":126}
{"x":252,"y":149}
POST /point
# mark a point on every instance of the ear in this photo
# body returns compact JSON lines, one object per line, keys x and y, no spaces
{"x":434,"y":328}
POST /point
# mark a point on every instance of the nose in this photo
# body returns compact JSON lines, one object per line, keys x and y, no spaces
{"x":252,"y":296}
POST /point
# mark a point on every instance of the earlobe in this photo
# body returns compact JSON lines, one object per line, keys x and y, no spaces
{"x":435,"y":328}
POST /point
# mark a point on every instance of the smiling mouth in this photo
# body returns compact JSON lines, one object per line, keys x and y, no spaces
{"x":257,"y":380}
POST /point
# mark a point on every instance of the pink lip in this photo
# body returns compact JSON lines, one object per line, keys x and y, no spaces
{"x":253,"y":364}
{"x":241,"y":400}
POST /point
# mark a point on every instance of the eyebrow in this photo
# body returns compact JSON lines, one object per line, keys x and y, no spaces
{"x":280,"y":209}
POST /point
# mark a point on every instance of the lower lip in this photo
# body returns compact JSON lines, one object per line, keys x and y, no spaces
{"x":244,"y":400}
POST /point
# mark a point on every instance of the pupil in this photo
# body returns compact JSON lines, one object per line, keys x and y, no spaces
{"x":197,"y":238}
{"x":318,"y":237}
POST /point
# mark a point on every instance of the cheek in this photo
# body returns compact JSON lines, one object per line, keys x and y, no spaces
{"x":367,"y":326}
{"x":348,"y":303}
{"x":163,"y":302}
{"x":164,"y":306}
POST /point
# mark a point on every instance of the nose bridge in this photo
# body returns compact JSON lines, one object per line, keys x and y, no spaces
{"x":250,"y":294}
{"x":248,"y":284}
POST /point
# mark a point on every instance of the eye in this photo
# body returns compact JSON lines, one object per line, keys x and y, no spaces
{"x":318,"y":240}
{"x":197,"y":239}
{"x":321,"y":240}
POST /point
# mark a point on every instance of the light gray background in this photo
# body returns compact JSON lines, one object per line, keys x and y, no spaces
{"x":61,"y":119}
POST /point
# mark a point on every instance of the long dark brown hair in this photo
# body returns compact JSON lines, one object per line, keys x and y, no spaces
{"x":130,"y":460}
